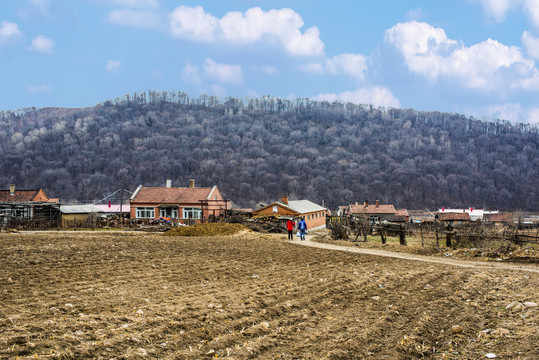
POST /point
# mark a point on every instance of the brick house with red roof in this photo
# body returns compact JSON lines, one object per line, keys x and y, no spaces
{"x":376,"y":212}
{"x":180,"y":204}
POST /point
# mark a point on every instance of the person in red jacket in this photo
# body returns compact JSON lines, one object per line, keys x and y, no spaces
{"x":290,"y":228}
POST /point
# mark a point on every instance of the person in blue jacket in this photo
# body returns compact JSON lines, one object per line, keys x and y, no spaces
{"x":302,"y":227}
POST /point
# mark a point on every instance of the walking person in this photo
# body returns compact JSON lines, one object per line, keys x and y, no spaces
{"x":290,"y":228}
{"x":302,"y":226}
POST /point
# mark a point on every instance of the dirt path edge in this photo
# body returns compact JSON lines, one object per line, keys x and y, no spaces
{"x":424,"y":258}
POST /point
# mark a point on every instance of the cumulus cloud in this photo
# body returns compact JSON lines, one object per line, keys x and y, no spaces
{"x":514,"y":112}
{"x":148,"y":4}
{"x":190,"y":74}
{"x":375,"y":95}
{"x":354,"y":65}
{"x":531,"y":8}
{"x":255,"y":25}
{"x":134,"y":18}
{"x":489,"y":65}
{"x":8,"y":31}
{"x":42,"y":44}
{"x":113,"y":66}
{"x":496,"y":8}
{"x":38,"y":89}
{"x":223,"y":73}
{"x":531,"y":44}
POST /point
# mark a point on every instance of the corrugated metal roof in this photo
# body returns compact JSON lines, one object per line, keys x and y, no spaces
{"x":302,"y":206}
{"x":114,"y":208}
{"x":79,"y":209}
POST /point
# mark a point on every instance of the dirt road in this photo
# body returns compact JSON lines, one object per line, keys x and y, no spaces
{"x":423,"y":258}
{"x":252,"y":296}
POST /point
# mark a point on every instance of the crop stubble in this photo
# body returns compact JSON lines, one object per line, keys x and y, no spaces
{"x":249,"y":296}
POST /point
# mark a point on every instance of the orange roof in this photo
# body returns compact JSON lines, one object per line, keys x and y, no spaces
{"x":182,"y":195}
{"x":19,"y":196}
{"x":372,"y":209}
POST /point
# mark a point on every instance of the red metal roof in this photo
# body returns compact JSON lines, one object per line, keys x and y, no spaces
{"x":182,"y":195}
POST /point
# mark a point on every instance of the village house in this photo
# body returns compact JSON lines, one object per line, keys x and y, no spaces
{"x":314,"y":214}
{"x":374,"y":213}
{"x":28,"y":208}
{"x":184,"y":205}
{"x":474,"y":214}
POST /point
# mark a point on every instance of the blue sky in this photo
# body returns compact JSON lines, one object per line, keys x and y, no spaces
{"x":473,"y":57}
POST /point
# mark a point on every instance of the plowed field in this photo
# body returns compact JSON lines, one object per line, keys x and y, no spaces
{"x":250,"y":296}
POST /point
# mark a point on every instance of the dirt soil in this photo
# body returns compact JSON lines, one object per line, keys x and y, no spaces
{"x":251,"y":296}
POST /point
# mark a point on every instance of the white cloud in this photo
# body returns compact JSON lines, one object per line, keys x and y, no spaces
{"x":255,"y":25}
{"x":135,"y":18}
{"x":531,"y":44}
{"x":190,"y":74}
{"x":8,"y":31}
{"x":531,"y":8}
{"x":415,"y":14}
{"x":113,"y":66}
{"x":38,"y":89}
{"x":313,"y":68}
{"x":148,"y":4}
{"x":496,"y":8}
{"x":513,"y":112}
{"x":42,"y":44}
{"x":375,"y":95}
{"x":489,"y":65}
{"x":269,"y":69}
{"x":223,"y":73}
{"x":354,"y":65}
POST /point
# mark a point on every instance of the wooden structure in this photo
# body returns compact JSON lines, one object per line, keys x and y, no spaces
{"x":28,"y":209}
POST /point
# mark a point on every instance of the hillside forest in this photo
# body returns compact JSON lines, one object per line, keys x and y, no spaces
{"x":259,"y":149}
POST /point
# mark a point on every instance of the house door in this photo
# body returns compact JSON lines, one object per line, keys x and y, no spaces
{"x":169,"y":212}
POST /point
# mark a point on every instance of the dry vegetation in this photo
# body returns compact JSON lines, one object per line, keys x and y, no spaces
{"x":250,"y":296}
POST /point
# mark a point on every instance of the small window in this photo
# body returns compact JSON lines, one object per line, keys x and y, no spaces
{"x":145,"y":212}
{"x":192,"y":213}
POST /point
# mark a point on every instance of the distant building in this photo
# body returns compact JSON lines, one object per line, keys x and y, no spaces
{"x":376,"y":212}
{"x":314,"y":214}
{"x":77,"y":215}
{"x":180,"y":204}
{"x":474,"y":214}
{"x":28,"y":209}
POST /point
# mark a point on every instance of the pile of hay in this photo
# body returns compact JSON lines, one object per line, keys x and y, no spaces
{"x":211,"y":229}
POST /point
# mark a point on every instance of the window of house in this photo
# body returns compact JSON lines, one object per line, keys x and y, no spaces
{"x":146,"y":212}
{"x":192,"y":213}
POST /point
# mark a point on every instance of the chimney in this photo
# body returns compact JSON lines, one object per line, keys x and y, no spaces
{"x":169,"y":183}
{"x":192,"y":183}
{"x":284,"y":200}
{"x":12,"y":189}
{"x":377,"y":204}
{"x":366,"y":203}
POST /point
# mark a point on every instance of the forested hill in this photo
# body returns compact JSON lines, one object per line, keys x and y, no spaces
{"x":260,"y":149}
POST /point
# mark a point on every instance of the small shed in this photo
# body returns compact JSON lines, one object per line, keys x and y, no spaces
{"x":78,"y":215}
